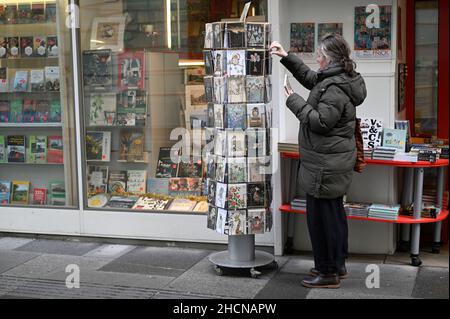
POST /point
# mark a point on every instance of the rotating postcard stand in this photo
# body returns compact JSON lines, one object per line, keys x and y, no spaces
{"x":238,"y":91}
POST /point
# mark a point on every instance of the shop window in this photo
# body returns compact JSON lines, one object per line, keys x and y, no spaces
{"x":37,"y":135}
{"x":144,"y":103}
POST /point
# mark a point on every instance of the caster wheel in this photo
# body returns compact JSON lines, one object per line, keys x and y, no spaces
{"x":436,"y":248}
{"x":415,"y":261}
{"x":254,"y":273}
{"x":219,"y":271}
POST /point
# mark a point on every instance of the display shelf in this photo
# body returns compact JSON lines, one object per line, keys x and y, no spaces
{"x":32,"y":164}
{"x":29,"y":125}
{"x":400,"y":220}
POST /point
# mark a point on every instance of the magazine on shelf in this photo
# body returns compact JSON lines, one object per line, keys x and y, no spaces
{"x":185,"y":186}
{"x":50,"y":12}
{"x":16,"y":148}
{"x":5,"y":192}
{"x":136,"y":181}
{"x":4,"y":85}
{"x":102,"y":110}
{"x":26,"y":47}
{"x":21,"y":81}
{"x":38,"y":12}
{"x":42,"y":114}
{"x":13,"y":47}
{"x":55,"y":149}
{"x":131,"y":72}
{"x":57,"y":193}
{"x":117,"y":183}
{"x":16,"y":111}
{"x":20,"y":192}
{"x":97,"y":69}
{"x":40,"y":46}
{"x":3,"y":47}
{"x":39,"y":196}
{"x":126,"y":202}
{"x":4,"y":112}
{"x":97,"y":179}
{"x":166,"y":168}
{"x":29,"y":111}
{"x":190,"y":169}
{"x":52,"y":46}
{"x":149,"y":203}
{"x":132,"y":108}
{"x":55,"y":111}
{"x":3,"y":154}
{"x":158,"y":186}
{"x":98,"y":146}
{"x":182,"y":205}
{"x":131,"y":147}
{"x":37,"y":80}
{"x":37,"y":149}
{"x":52,"y":82}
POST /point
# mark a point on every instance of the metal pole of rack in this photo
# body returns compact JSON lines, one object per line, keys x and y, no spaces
{"x":408,"y":195}
{"x":439,"y":198}
{"x":418,"y":189}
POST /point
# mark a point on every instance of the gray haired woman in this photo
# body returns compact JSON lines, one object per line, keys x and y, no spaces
{"x":328,"y":149}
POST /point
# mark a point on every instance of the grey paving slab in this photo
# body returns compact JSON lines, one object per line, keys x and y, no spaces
{"x":10,"y":259}
{"x":342,"y":294}
{"x":10,"y":243}
{"x":432,"y":283}
{"x":202,"y":279}
{"x":298,"y":265}
{"x":110,"y":251}
{"x":58,"y":247}
{"x":54,"y":266}
{"x":166,"y":295}
{"x":283,"y":286}
{"x":161,"y":261}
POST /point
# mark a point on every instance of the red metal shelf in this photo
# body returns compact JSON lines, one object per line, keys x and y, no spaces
{"x":439,"y":163}
{"x":401,"y":219}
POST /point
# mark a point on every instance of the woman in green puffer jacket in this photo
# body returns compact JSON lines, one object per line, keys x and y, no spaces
{"x":328,"y":149}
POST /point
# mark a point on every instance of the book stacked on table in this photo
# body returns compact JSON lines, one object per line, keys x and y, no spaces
{"x":298,"y":204}
{"x":382,"y":211}
{"x":384,"y":153}
{"x":368,"y":152}
{"x":405,"y":157}
{"x":357,"y":209}
{"x":426,"y":152}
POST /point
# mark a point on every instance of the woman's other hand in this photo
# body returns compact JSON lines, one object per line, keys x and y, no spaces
{"x":277,"y":49}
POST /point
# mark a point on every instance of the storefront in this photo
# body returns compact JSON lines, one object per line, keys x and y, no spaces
{"x":94,"y":104}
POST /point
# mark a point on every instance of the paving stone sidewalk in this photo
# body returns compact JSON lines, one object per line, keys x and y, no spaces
{"x":37,"y":268}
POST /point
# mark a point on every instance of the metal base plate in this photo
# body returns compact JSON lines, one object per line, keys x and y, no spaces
{"x":222,"y":259}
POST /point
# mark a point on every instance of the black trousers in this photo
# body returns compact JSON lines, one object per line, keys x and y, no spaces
{"x":328,"y":230}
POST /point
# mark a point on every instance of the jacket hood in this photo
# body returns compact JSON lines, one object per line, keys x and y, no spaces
{"x":353,"y":86}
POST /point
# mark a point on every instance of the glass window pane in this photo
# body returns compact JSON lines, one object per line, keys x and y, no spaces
{"x":143,"y":94}
{"x":37,"y":149}
{"x":426,"y":67}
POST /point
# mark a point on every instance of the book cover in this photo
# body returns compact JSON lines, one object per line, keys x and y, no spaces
{"x":158,"y":186}
{"x":42,"y":111}
{"x":131,"y":73}
{"x":102,"y":110}
{"x":39,"y":196}
{"x":212,"y":218}
{"x":131,"y":147}
{"x":395,"y":138}
{"x":5,"y":192}
{"x":255,"y":35}
{"x":52,"y":46}
{"x":237,"y":170}
{"x":55,"y":150}
{"x":16,"y":115}
{"x":16,"y":148}
{"x":165,"y":167}
{"x":237,"y":196}
{"x":221,"y":221}
{"x":11,"y":14}
{"x":185,"y":186}
{"x":371,"y":131}
{"x":4,"y":112}
{"x":132,"y":103}
{"x":57,"y":193}
{"x":237,"y":222}
{"x":219,"y":63}
{"x":255,"y":87}
{"x":13,"y":47}
{"x":29,"y":111}
{"x":117,"y":183}
{"x":98,"y":146}
{"x":37,"y":149}
{"x":97,"y":179}
{"x":255,"y":62}
{"x":236,"y":146}
{"x":236,"y":89}
{"x":50,"y":12}
{"x":256,"y":195}
{"x":235,"y":35}
{"x":256,"y":219}
{"x":21,"y":81}
{"x":52,"y":82}
{"x":3,"y":154}
{"x":256,"y":115}
{"x":37,"y":80}
{"x":150,"y":203}
{"x":20,"y":192}
{"x":26,"y":47}
{"x":55,"y":111}
{"x":97,"y":69}
{"x":236,"y":62}
{"x":136,"y":181}
{"x":3,"y":47}
{"x":182,"y":205}
{"x":124,"y":202}
{"x":40,"y":46}
{"x":211,"y":194}
{"x":220,"y":169}
{"x":190,"y":168}
{"x":236,"y":116}
{"x":221,"y":195}
{"x":38,"y":12}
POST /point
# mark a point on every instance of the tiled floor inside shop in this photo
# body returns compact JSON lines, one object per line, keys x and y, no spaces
{"x":36,"y":268}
